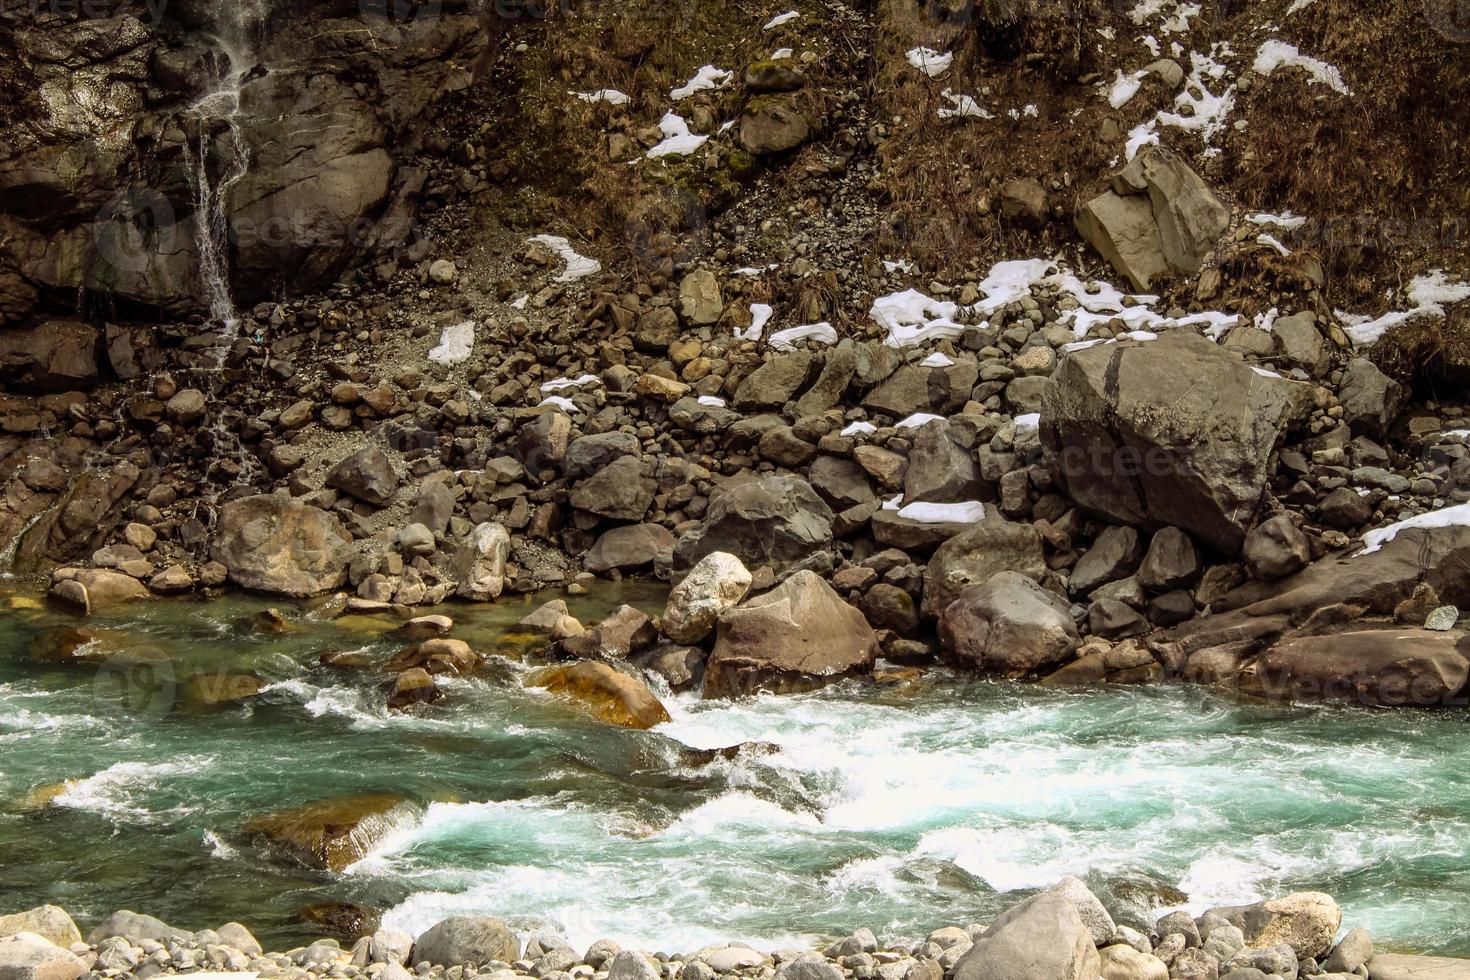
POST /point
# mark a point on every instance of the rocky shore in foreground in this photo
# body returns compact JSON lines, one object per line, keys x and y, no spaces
{"x":1063,"y":933}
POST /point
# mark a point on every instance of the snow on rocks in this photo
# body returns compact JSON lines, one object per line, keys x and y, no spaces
{"x":924,"y":512}
{"x":912,"y":318}
{"x":455,"y":344}
{"x":678,"y":140}
{"x":1286,"y":221}
{"x":1456,"y":516}
{"x":937,"y":360}
{"x":578,"y":266}
{"x":1275,"y":54}
{"x":961,"y":107}
{"x":609,"y":95}
{"x":760,"y":315}
{"x":558,"y":401}
{"x":820,"y":333}
{"x":563,"y":384}
{"x":868,"y":428}
{"x":918,"y":420}
{"x":706,"y":79}
{"x":1198,"y":108}
{"x":780,"y":19}
{"x":1125,"y":87}
{"x":930,"y":62}
{"x":1429,"y":294}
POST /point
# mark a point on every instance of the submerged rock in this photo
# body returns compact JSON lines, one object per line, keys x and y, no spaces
{"x":605,"y":692}
{"x":333,"y":833}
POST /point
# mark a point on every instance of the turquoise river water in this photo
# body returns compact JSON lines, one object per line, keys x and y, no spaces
{"x":896,"y":808}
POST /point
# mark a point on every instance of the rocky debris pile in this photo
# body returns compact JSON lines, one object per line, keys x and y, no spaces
{"x":1062,"y":933}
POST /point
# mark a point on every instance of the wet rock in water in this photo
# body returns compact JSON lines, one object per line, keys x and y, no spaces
{"x":1009,"y":625}
{"x":716,"y":583}
{"x":343,"y":920}
{"x":545,"y":617}
{"x":1388,"y":667}
{"x":681,"y":667}
{"x":1043,"y":938}
{"x":1175,"y":432}
{"x":630,"y":547}
{"x":617,"y":637}
{"x":479,"y":563}
{"x":333,"y":833}
{"x":277,"y":545}
{"x":414,"y":686}
{"x":605,"y":692}
{"x":27,"y":956}
{"x":799,"y":636}
{"x":462,"y":939}
{"x":367,"y":475}
{"x":777,"y":521}
{"x":47,"y":921}
{"x":218,"y":688}
{"x":437,"y":655}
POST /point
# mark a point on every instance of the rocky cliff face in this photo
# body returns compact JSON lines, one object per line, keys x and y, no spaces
{"x":125,"y":129}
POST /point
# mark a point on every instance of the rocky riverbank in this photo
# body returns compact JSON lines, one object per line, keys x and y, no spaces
{"x":1062,"y":933}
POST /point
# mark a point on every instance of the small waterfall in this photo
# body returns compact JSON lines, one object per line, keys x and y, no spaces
{"x":238,"y":32}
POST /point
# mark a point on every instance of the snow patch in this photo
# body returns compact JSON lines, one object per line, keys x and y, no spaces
{"x":1276,"y":54}
{"x":961,"y":107}
{"x":760,"y":315}
{"x":936,"y":360}
{"x":455,"y":344}
{"x":923,"y":512}
{"x":780,"y":19}
{"x":578,"y":266}
{"x":677,"y":141}
{"x":705,"y":79}
{"x":1456,"y":516}
{"x":609,"y":95}
{"x":821,"y":333}
{"x":930,"y":62}
{"x":858,"y":429}
{"x":1429,"y":294}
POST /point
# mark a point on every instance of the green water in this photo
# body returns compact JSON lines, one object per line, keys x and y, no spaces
{"x":899,"y":809}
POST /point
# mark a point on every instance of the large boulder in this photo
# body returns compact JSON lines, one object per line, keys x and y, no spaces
{"x":277,"y":545}
{"x":367,"y":475}
{"x":136,"y":928}
{"x":718,"y":582}
{"x":619,"y":491}
{"x":332,"y":834}
{"x":604,"y":692}
{"x":58,"y":355}
{"x":940,"y":469}
{"x":1175,"y":431}
{"x":1391,"y":667}
{"x":971,"y":557}
{"x":1157,"y":219}
{"x":27,"y":956}
{"x":798,"y":636}
{"x":1010,"y":625}
{"x":774,"y":520}
{"x":1043,"y":938}
{"x":1403,"y":966}
{"x":630,"y":546}
{"x":1305,"y":921}
{"x":46,"y":921}
{"x":463,"y":939}
{"x":479,"y":562}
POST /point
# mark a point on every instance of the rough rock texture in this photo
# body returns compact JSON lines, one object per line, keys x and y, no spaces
{"x":463,"y":939}
{"x":971,"y":557}
{"x":798,"y":636}
{"x":46,"y":921}
{"x":27,"y":956}
{"x":1009,"y":625}
{"x":773,"y":520}
{"x":273,"y":544}
{"x":1159,"y":218}
{"x":1373,"y":667}
{"x":716,"y":583}
{"x":1043,"y":938}
{"x":1171,"y":432}
{"x":1305,"y":921}
{"x":479,"y":564}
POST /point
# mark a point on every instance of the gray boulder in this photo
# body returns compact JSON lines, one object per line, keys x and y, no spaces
{"x":27,"y":956}
{"x":1305,"y":921}
{"x":773,"y":520}
{"x":630,"y":546}
{"x":1175,"y":432}
{"x":1114,"y":555}
{"x":1157,"y":219}
{"x":1275,"y":548}
{"x":1043,"y":938}
{"x":1370,"y":399}
{"x":619,"y":491}
{"x":1010,"y":625}
{"x":974,"y":555}
{"x":479,"y":562}
{"x":134,"y":927}
{"x":797,"y":637}
{"x":940,"y":470}
{"x":774,"y":383}
{"x":463,"y":939}
{"x":367,"y":475}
